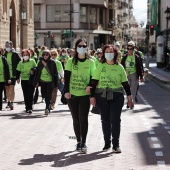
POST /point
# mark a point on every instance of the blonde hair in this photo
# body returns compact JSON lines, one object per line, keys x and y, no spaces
{"x":3,"y":50}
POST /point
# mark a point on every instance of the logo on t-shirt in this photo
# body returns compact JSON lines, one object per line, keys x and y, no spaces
{"x":75,"y":67}
{"x":103,"y":69}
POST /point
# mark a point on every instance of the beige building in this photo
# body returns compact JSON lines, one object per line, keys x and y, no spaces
{"x":17,"y":23}
{"x":83,"y":18}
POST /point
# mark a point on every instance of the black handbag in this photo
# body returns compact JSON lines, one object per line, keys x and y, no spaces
{"x":95,"y":110}
{"x":63,"y":99}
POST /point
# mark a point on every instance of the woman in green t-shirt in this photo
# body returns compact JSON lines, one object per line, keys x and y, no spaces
{"x":78,"y":72}
{"x":4,"y":74}
{"x":54,"y":55}
{"x":47,"y":77}
{"x":25,"y":69}
{"x":107,"y":95}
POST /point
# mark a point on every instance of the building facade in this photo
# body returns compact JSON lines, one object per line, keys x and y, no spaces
{"x":70,"y":20}
{"x":17,"y":23}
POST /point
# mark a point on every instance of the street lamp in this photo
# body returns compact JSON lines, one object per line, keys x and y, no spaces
{"x":167,"y":12}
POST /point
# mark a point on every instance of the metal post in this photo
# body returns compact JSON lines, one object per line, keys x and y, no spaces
{"x":70,"y":26}
{"x":147,"y":37}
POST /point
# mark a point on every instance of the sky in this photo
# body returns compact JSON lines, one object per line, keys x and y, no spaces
{"x":140,"y":10}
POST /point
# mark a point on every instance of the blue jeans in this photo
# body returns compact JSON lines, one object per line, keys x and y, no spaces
{"x":110,"y":116}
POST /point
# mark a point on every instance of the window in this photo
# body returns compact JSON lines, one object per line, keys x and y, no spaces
{"x":93,"y":15}
{"x":83,"y":14}
{"x":37,"y":13}
{"x":58,"y":13}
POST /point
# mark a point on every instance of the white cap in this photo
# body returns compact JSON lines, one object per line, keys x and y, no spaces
{"x":131,"y":43}
{"x":99,"y":50}
{"x":117,"y":43}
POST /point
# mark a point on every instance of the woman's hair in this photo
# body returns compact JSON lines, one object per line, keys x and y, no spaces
{"x":47,"y":51}
{"x":26,"y":51}
{"x":54,"y":51}
{"x":3,"y":50}
{"x":32,"y":51}
{"x":103,"y":59}
{"x":75,"y":59}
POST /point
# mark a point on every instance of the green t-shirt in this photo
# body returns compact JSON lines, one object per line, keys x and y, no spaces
{"x":60,"y":57}
{"x":97,"y":62}
{"x":80,"y":76}
{"x":33,"y":58}
{"x":45,"y":76}
{"x":130,"y":64}
{"x":9,"y":60}
{"x":25,"y":67}
{"x":110,"y":76}
{"x":59,"y":65}
{"x":2,"y":79}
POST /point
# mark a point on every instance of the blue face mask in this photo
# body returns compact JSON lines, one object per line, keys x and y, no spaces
{"x":81,"y":50}
{"x":109,"y":56}
{"x":8,"y":49}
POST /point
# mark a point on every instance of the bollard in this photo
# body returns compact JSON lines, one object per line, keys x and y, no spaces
{"x":145,"y":76}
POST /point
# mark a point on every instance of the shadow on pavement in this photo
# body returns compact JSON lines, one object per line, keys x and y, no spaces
{"x":22,"y":116}
{"x":64,"y":159}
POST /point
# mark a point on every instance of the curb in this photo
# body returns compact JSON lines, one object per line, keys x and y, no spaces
{"x":165,"y":84}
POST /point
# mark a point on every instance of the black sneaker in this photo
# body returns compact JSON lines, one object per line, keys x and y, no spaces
{"x":136,"y":99}
{"x":106,"y":147}
{"x":8,"y":105}
{"x":11,"y":106}
{"x":116,"y":149}
{"x":83,"y":147}
{"x":78,"y":147}
{"x":29,"y":111}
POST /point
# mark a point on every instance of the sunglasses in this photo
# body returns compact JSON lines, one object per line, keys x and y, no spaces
{"x":53,"y":54}
{"x":45,"y":54}
{"x":129,"y":48}
{"x":84,"y":46}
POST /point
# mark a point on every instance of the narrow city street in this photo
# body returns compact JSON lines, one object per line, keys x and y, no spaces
{"x":37,"y":142}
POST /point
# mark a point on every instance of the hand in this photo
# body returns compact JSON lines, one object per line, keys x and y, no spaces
{"x":9,"y":81}
{"x":93,"y":101}
{"x":130,"y":102}
{"x":88,"y":89}
{"x":18,"y":81}
{"x":67,"y":95}
{"x":37,"y":84}
{"x":32,"y":72}
{"x":62,"y":80}
{"x":44,"y":63}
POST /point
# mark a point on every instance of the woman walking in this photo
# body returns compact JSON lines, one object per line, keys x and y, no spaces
{"x":25,"y":69}
{"x":4,"y":74}
{"x":47,"y":76}
{"x":107,"y":94}
{"x":78,"y":72}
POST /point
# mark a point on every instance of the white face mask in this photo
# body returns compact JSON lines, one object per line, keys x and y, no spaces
{"x":109,"y":56}
{"x":63,"y":54}
{"x":25,"y":58}
{"x":81,"y":50}
{"x":8,"y":49}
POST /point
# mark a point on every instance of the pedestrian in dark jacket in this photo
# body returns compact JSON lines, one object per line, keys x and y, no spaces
{"x":133,"y":67}
{"x":47,"y":77}
{"x":13,"y":59}
{"x":4,"y":74}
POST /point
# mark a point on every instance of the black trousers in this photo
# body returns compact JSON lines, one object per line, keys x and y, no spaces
{"x":2,"y":85}
{"x":110,"y":111}
{"x":46,"y":91}
{"x":28,"y":91}
{"x":79,"y":108}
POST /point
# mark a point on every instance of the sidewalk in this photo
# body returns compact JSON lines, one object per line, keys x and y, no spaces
{"x":158,"y":75}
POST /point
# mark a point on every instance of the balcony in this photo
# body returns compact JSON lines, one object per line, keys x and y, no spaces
{"x":39,"y":1}
{"x":125,"y":11}
{"x":90,"y":2}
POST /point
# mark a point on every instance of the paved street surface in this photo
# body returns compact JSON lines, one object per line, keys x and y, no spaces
{"x":37,"y":142}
